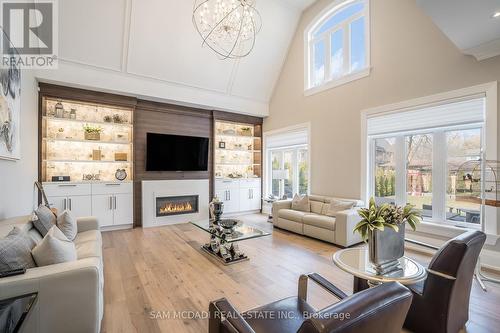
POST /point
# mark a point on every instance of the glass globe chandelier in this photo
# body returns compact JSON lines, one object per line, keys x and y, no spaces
{"x":228,"y":27}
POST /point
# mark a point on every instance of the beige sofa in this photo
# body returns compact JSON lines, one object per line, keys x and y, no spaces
{"x":70,"y":295}
{"x":336,"y":230}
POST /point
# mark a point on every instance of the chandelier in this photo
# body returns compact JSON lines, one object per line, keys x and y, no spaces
{"x":228,"y":27}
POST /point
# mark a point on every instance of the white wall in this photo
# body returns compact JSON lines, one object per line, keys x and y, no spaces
{"x":17,"y":177}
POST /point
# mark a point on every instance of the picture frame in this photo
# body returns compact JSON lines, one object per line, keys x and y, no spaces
{"x":222,"y":145}
{"x":10,"y":109}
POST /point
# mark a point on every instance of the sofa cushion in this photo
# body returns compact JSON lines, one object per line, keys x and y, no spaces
{"x":301,"y":203}
{"x":336,"y":206}
{"x":316,"y":206}
{"x":67,"y":223}
{"x":43,"y":220}
{"x":290,"y":214}
{"x":320,"y":221}
{"x":15,"y":250}
{"x":55,"y":248}
{"x":89,"y":235}
{"x":89,"y":249}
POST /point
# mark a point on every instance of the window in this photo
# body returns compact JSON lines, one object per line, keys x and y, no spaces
{"x":337,"y":45}
{"x":287,"y":163}
{"x":417,"y":155}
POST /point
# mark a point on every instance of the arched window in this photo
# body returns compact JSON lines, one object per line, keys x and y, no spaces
{"x":337,"y":45}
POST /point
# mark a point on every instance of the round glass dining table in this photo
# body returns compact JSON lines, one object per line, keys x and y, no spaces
{"x":356,"y":262}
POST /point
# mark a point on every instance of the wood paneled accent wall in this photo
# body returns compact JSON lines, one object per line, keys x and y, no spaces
{"x":151,"y":117}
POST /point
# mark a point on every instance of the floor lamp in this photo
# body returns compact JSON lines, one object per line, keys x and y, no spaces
{"x":281,"y":175}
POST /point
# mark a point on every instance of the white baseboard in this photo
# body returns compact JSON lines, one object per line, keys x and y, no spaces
{"x":116,"y":227}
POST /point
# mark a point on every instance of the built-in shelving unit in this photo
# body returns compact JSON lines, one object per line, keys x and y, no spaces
{"x":237,"y":150}
{"x":85,"y":141}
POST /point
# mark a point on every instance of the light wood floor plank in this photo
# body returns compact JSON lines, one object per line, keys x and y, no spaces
{"x":163,"y":271}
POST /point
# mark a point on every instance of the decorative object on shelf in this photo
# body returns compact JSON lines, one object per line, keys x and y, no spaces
{"x":245,"y":131}
{"x":66,"y":114}
{"x":235,"y":175}
{"x":250,"y":147}
{"x":107,"y":119}
{"x":121,"y":174}
{"x":10,"y":107}
{"x":61,"y":178}
{"x":383,"y":227}
{"x":228,"y":27}
{"x":121,"y":137}
{"x":59,"y":113}
{"x":118,"y":119}
{"x":60,"y":133}
{"x":222,"y":145}
{"x":72,"y":114}
{"x":92,"y":132}
{"x":91,"y":176}
{"x":96,"y":154}
{"x":229,"y":131}
{"x":122,"y":157}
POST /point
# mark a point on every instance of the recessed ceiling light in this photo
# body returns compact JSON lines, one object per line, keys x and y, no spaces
{"x":496,"y":15}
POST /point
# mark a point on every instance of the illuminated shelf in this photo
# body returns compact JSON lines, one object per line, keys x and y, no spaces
{"x":239,"y":136}
{"x":247,"y":150}
{"x":85,"y":161}
{"x":89,"y":141}
{"x":67,"y":120}
{"x":243,"y":164}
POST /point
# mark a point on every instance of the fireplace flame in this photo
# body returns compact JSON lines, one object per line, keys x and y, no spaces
{"x":176,"y":208}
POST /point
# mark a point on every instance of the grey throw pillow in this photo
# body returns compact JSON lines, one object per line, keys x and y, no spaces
{"x":44,"y":221}
{"x":55,"y":248}
{"x":301,"y":203}
{"x":15,"y":251}
{"x":67,"y":223}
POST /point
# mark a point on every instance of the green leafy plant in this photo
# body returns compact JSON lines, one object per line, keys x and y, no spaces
{"x":92,"y":129}
{"x":378,"y":217}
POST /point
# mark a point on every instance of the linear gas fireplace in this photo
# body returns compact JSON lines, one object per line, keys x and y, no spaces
{"x":176,"y":205}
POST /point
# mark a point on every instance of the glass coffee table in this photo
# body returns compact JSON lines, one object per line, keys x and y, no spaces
{"x":224,"y":237}
{"x":356,"y":262}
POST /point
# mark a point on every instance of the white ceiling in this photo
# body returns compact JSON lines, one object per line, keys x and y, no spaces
{"x":154,"y":41}
{"x":468,"y":24}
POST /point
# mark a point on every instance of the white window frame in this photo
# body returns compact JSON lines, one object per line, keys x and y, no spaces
{"x":329,"y":81}
{"x":490,"y":135}
{"x":268,"y":161}
{"x":439,"y":169}
{"x":295,"y":165}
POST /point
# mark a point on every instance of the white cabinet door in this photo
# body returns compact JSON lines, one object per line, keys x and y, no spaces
{"x":80,"y":205}
{"x":232,"y":205}
{"x":255,"y":198}
{"x":123,"y":209}
{"x":245,"y":200}
{"x":102,"y":208}
{"x":58,"y":203}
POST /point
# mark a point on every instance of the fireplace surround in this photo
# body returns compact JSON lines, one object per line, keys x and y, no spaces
{"x":166,"y":202}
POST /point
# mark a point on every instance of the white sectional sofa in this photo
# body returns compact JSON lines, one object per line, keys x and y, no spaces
{"x":70,"y":295}
{"x":337,"y":230}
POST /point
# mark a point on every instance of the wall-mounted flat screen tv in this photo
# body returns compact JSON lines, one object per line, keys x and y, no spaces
{"x":167,"y":152}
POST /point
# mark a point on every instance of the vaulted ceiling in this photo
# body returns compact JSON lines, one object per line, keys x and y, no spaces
{"x":150,"y":48}
{"x":468,"y":24}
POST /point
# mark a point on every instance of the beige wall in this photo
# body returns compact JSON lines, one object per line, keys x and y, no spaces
{"x":410,"y":58}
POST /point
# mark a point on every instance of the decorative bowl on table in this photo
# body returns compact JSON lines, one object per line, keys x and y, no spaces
{"x":228,"y":224}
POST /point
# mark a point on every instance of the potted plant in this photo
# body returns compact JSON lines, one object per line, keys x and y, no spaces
{"x":383,"y":227}
{"x":92,"y":132}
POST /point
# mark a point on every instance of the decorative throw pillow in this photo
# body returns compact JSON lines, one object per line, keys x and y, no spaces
{"x":337,"y":206}
{"x":43,"y":220}
{"x":67,"y":223}
{"x":301,"y":203}
{"x":55,"y":248}
{"x":15,"y":251}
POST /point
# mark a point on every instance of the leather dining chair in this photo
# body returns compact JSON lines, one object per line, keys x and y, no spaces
{"x":441,"y":302}
{"x":379,"y":309}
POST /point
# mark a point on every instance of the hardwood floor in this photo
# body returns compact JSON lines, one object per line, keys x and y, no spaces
{"x":162,"y":271}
